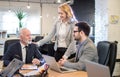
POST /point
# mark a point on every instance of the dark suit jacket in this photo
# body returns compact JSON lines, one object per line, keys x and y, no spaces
{"x":15,"y":51}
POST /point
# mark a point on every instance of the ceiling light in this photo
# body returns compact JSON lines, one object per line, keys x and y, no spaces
{"x":9,"y":10}
{"x":28,"y":5}
{"x":60,"y":1}
{"x":70,"y":2}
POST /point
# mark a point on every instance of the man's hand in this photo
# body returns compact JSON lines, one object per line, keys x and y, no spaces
{"x":25,"y":66}
{"x":36,"y":61}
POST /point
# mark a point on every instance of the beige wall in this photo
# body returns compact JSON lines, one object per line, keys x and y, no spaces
{"x":114,"y":27}
{"x":49,"y":16}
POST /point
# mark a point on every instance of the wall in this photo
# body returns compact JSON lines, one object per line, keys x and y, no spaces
{"x":114,"y":27}
{"x":101,"y":20}
{"x":84,"y":10}
{"x":49,"y":16}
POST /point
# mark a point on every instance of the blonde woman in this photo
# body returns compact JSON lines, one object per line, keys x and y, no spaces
{"x":62,"y":31}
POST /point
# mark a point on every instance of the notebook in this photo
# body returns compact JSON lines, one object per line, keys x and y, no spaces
{"x":96,"y":70}
{"x":54,"y":66}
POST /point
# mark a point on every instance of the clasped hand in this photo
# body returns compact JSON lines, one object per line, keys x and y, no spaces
{"x":36,"y":61}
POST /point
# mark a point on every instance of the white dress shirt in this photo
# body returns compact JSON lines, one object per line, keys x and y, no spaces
{"x":23,"y":52}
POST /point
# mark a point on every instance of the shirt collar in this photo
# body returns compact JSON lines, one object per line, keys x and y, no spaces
{"x":80,"y":43}
{"x":68,"y":22}
{"x":22,"y":45}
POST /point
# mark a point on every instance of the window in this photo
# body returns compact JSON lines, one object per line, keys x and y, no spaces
{"x":9,"y":21}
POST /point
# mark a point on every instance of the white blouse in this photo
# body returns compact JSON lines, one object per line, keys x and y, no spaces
{"x":62,"y":35}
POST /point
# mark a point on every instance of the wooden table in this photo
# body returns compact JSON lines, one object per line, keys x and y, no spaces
{"x":52,"y":73}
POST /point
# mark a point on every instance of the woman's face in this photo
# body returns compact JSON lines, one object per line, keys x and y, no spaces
{"x":62,"y":14}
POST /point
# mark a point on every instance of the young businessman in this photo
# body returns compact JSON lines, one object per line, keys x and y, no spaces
{"x":23,"y":51}
{"x":83,"y":47}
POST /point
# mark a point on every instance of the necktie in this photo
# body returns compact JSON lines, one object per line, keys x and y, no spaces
{"x":26,"y":47}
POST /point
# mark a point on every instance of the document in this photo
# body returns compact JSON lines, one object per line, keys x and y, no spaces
{"x":29,"y":66}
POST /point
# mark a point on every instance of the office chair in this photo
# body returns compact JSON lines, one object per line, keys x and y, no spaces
{"x":40,"y":48}
{"x":107,"y":52}
{"x":1,"y":57}
{"x":46,"y":47}
{"x":9,"y":42}
{"x":103,"y":48}
{"x":112,"y":56}
{"x":37,"y":38}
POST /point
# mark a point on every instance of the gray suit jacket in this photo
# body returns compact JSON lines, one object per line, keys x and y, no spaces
{"x":54,"y":33}
{"x":88,"y":51}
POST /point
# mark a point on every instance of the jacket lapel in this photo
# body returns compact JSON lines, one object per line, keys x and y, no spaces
{"x":68,"y":30}
{"x":58,"y":28}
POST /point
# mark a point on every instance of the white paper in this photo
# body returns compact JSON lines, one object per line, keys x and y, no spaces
{"x":30,"y":67}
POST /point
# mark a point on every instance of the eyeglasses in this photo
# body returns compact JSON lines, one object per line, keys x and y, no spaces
{"x":75,"y":31}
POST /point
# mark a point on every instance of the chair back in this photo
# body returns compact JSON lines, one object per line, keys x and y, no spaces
{"x":107,"y":52}
{"x":37,"y":38}
{"x":113,"y":55}
{"x":103,"y":48}
{"x":8,"y":43}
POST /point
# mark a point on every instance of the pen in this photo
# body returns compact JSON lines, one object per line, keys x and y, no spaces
{"x":32,"y":57}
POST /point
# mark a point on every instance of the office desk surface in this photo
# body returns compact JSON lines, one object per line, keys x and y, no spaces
{"x":52,"y":73}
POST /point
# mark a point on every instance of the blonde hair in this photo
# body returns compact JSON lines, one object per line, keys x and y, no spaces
{"x":67,"y":9}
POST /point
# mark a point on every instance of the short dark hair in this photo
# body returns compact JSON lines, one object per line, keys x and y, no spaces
{"x":83,"y":26}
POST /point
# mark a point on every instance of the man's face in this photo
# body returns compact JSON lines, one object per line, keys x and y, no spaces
{"x":76,"y":34}
{"x":26,"y":37}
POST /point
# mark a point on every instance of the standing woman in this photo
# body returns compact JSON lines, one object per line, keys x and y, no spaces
{"x":62,"y":31}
